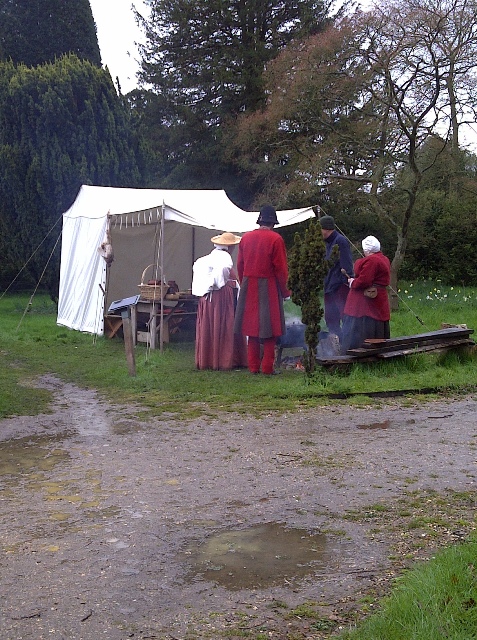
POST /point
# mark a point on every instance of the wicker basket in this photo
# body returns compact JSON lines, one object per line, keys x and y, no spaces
{"x":152,"y":291}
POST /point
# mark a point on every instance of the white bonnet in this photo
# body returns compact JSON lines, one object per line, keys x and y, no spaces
{"x":371,"y":245}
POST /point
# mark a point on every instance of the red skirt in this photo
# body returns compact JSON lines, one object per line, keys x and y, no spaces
{"x":260,"y":311}
{"x":216,"y":346}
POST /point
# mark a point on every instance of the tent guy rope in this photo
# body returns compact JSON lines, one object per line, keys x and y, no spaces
{"x":30,"y":302}
{"x":32,"y":255}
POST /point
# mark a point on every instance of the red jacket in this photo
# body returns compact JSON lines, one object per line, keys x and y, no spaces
{"x":374,"y":269}
{"x":263,"y":273}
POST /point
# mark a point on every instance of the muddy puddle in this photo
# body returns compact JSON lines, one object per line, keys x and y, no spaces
{"x":30,"y":455}
{"x":263,"y":556}
{"x":375,"y":425}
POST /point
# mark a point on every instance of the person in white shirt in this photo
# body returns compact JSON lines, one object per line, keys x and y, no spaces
{"x":214,"y":281}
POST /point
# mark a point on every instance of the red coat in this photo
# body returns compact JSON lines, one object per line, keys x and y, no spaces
{"x":263,"y":274}
{"x":374,"y":269}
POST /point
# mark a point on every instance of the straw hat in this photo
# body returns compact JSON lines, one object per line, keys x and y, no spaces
{"x":226,"y":239}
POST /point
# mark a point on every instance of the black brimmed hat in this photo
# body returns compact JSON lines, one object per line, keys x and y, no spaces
{"x":268,"y":215}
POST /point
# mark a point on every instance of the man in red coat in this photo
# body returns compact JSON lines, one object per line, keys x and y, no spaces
{"x":263,"y":274}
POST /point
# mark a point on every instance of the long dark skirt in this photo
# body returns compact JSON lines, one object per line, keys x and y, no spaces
{"x":216,"y":345}
{"x":357,"y":330}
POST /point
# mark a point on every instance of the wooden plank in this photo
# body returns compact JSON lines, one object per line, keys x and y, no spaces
{"x":367,"y":355}
{"x":344,"y":359}
{"x":453,"y":332}
{"x":337,"y":358}
{"x":402,"y":345}
{"x":375,"y":346}
{"x":444,"y":346}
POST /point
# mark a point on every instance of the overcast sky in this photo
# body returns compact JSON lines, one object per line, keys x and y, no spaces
{"x":117,"y":34}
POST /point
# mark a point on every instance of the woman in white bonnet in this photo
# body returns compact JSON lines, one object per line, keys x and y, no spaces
{"x":364,"y":316}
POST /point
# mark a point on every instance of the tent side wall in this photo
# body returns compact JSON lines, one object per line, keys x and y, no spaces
{"x":82,"y":274}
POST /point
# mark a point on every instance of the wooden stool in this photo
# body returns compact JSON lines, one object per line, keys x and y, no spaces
{"x":112,"y":324}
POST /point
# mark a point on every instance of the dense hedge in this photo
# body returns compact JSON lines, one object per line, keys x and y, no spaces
{"x":61,"y":125}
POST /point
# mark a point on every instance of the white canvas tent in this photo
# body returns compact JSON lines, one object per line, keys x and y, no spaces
{"x":169,"y":228}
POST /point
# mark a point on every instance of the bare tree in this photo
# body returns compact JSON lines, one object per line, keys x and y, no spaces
{"x":353,"y":108}
{"x":456,"y":49}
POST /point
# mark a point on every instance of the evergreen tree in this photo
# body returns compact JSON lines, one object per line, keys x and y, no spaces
{"x":204,"y":60}
{"x":62,"y":125}
{"x":37,"y":31}
{"x":307,"y":267}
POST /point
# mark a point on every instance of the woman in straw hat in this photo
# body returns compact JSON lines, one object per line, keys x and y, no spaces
{"x":216,"y":346}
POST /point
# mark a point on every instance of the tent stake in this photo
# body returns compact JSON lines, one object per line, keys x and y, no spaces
{"x":128,"y":341}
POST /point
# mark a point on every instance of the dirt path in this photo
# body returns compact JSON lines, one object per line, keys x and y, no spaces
{"x":116,"y":527}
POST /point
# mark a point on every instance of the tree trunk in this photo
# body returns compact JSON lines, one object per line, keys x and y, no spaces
{"x":454,"y":127}
{"x":395,"y":266}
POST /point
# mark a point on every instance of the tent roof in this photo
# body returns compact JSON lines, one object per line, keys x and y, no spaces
{"x":209,"y":208}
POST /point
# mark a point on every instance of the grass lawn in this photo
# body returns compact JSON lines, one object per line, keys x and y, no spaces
{"x":31,"y":343}
{"x":434,"y":600}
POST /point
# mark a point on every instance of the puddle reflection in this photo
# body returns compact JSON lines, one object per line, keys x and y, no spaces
{"x":31,"y":454}
{"x":262,"y":556}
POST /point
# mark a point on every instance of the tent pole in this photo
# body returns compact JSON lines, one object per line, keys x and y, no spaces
{"x":161,"y":258}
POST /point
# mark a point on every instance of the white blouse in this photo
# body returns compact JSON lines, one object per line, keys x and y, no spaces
{"x":211,"y":271}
